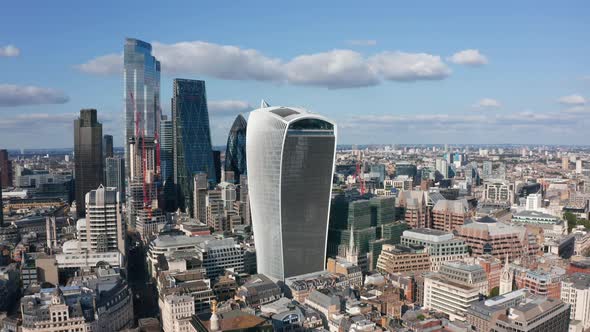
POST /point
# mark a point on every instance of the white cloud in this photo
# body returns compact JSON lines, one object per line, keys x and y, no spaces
{"x":400,"y":66}
{"x":470,"y":57}
{"x":220,"y":61}
{"x":16,"y":95}
{"x":487,"y":103}
{"x":332,"y":69}
{"x":362,"y":42}
{"x":572,"y":100}
{"x":228,"y":107}
{"x":103,"y":65}
{"x":9,"y":50}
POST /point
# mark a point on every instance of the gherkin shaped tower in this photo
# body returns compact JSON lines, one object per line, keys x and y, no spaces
{"x":235,"y":154}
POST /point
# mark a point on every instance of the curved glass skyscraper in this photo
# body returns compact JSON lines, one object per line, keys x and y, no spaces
{"x":192,"y":137}
{"x":290,"y":167}
{"x":141,"y":78}
{"x":235,"y":153}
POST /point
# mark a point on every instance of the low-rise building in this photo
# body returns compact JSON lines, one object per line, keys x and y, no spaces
{"x":258,"y":290}
{"x":441,"y":246}
{"x":519,"y":311}
{"x":575,"y":290}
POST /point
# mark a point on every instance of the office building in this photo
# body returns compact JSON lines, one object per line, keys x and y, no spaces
{"x":105,"y":229}
{"x":176,"y":312}
{"x":291,"y":155}
{"x":541,"y":282}
{"x":488,"y":236}
{"x":141,"y":79}
{"x":88,"y":156}
{"x":394,"y":259}
{"x":142,"y":193}
{"x":534,"y":201}
{"x":217,"y":165}
{"x":192,"y":138}
{"x":488,"y":169}
{"x":115,"y":174}
{"x":499,"y":192}
{"x":575,"y":291}
{"x":442,"y":247}
{"x":235,"y":153}
{"x":200,"y":188}
{"x":519,"y":311}
{"x":5,"y":170}
{"x":415,"y":206}
{"x":447,"y":215}
{"x":107,"y":145}
{"x":167,"y":164}
{"x":448,"y":296}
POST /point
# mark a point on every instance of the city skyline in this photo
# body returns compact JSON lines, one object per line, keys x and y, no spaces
{"x":384,"y":79}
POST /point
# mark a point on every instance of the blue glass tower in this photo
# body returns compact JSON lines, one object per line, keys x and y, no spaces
{"x":235,"y":154}
{"x":192,"y":137}
{"x":141,"y":79}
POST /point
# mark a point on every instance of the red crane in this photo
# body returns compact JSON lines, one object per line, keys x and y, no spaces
{"x":144,"y":163}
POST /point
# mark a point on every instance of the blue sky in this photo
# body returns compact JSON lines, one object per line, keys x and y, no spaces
{"x":385,"y":71}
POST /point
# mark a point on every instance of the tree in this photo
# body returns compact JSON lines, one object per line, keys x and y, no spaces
{"x":571,"y":220}
{"x":495,"y":291}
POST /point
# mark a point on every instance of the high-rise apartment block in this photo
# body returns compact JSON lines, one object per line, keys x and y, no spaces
{"x":291,"y":155}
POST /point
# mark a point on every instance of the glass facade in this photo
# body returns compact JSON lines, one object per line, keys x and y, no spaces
{"x":290,"y":167}
{"x":107,"y":146}
{"x":141,"y":78}
{"x":192,"y":138}
{"x":115,"y":174}
{"x":88,"y":156}
{"x":235,"y":154}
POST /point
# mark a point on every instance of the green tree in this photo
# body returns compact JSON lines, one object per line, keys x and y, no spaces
{"x":571,"y":220}
{"x":495,"y":292}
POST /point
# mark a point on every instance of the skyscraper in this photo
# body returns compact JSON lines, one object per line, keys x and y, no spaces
{"x":107,"y":144}
{"x":88,"y":156}
{"x":6,"y":167}
{"x":167,"y":163}
{"x":290,"y":166}
{"x":235,"y":153}
{"x":115,"y":175}
{"x":192,"y":138}
{"x":141,"y":79}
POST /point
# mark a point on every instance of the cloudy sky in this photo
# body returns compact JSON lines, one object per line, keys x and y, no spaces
{"x":385,"y":71}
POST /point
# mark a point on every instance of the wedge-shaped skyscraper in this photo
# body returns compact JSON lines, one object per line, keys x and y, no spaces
{"x":290,"y":156}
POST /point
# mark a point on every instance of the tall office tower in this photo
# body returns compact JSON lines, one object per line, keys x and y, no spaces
{"x":141,"y":78}
{"x":115,"y":175}
{"x":141,"y":192}
{"x":235,"y":153}
{"x":192,"y":138}
{"x":579,"y":166}
{"x":167,"y":163}
{"x":6,"y":168}
{"x":200,"y":186}
{"x":105,"y":230}
{"x":488,"y":167}
{"x":107,"y":146}
{"x":88,"y":156}
{"x":217,"y":165}
{"x":290,"y":166}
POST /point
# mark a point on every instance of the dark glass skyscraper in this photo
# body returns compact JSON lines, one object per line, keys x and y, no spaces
{"x":6,"y":167}
{"x":107,"y":146}
{"x":167,"y":163}
{"x":88,"y":156}
{"x":115,"y":175}
{"x":141,"y":79}
{"x":235,"y":153}
{"x":192,"y":137}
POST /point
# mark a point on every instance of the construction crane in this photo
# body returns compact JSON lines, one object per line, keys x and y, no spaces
{"x":144,"y":163}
